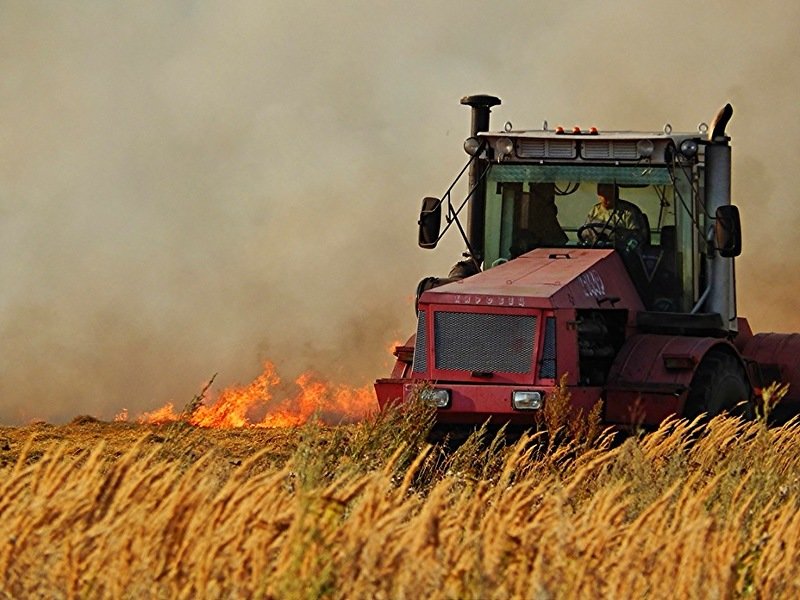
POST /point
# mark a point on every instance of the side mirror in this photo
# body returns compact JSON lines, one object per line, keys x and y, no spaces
{"x":430,"y":222}
{"x":728,"y":231}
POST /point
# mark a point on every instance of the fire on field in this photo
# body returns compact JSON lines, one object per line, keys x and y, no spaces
{"x":259,"y":404}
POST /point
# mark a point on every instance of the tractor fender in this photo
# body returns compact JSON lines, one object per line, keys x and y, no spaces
{"x":405,"y":356}
{"x":654,"y":373}
{"x":775,"y":356}
{"x":390,"y":389}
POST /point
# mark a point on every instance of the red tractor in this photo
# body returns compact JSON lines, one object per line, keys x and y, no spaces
{"x":604,"y":256}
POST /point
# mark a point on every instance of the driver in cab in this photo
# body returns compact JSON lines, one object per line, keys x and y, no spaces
{"x":614,"y":220}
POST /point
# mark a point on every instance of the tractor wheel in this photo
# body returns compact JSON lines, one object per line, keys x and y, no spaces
{"x":719,"y":384}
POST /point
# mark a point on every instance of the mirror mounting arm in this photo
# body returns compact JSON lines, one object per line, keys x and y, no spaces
{"x":430,"y":231}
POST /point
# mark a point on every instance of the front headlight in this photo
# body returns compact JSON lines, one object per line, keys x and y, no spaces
{"x":472,"y":145}
{"x":645,"y":148}
{"x":526,"y":400}
{"x":435,"y":397}
{"x":689,"y":148}
{"x":503,"y":147}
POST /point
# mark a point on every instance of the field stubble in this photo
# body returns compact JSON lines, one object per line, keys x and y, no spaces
{"x":371,"y":510}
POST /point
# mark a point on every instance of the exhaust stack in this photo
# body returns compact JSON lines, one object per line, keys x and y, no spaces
{"x":722,"y":298}
{"x":481,"y":109}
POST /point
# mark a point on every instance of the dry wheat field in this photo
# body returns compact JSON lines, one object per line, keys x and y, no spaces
{"x":371,"y":510}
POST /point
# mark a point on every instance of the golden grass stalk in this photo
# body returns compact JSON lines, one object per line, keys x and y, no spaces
{"x":372,"y":511}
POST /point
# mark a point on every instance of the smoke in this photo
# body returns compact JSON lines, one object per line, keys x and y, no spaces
{"x":190,"y":187}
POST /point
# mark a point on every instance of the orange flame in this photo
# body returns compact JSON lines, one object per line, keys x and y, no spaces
{"x":333,"y":403}
{"x":234,"y":405}
{"x":165,"y":414}
{"x":239,"y":406}
{"x":394,"y":345}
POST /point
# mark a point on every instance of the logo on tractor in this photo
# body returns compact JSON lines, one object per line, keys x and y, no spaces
{"x":593,"y":285}
{"x":490,"y":300}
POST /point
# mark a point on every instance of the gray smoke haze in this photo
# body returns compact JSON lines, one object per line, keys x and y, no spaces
{"x":195,"y":187}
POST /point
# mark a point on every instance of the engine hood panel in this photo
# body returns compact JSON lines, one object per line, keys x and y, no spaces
{"x":546,"y":278}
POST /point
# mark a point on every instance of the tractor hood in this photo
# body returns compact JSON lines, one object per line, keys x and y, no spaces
{"x":546,"y":278}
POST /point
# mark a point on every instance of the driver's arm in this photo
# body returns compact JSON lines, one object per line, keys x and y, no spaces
{"x":635,"y":225}
{"x":594,"y":216}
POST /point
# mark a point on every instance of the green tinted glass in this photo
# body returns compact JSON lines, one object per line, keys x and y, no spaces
{"x":624,"y":175}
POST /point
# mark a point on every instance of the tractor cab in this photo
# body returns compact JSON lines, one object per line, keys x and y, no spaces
{"x":538,"y":188}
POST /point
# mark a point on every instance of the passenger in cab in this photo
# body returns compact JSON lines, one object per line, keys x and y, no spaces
{"x":545,"y":230}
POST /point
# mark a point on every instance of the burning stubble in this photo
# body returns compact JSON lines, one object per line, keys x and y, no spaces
{"x":187,"y":189}
{"x":264,"y":403}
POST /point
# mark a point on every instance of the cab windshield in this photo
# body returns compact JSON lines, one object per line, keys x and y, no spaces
{"x":558,"y":206}
{"x":530,"y":206}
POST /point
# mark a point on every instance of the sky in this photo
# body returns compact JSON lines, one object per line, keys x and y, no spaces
{"x":191,"y":187}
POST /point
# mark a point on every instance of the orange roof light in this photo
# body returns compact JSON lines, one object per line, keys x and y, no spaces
{"x":576,"y":130}
{"x":593,"y":131}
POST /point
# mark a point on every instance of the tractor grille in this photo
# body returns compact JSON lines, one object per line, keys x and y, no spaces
{"x":483,"y":342}
{"x":420,"y":364}
{"x":547,"y":370}
{"x":610,"y":149}
{"x":544,"y":148}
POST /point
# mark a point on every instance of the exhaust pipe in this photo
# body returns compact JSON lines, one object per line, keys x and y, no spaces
{"x":722,"y":297}
{"x":481,"y":109}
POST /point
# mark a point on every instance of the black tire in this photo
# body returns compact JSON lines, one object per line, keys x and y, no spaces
{"x":719,"y":385}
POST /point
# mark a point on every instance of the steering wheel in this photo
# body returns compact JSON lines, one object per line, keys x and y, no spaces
{"x":602,"y":235}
